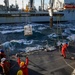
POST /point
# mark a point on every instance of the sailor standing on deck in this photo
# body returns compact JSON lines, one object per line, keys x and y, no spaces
{"x":23,"y":66}
{"x":63,"y":49}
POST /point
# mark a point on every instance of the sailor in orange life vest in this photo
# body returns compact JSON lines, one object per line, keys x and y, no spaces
{"x":63,"y":50}
{"x":23,"y":65}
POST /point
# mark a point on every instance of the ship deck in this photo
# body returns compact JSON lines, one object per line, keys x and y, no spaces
{"x":47,"y":63}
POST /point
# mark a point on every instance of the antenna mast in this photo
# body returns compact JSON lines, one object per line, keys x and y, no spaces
{"x":22,"y":5}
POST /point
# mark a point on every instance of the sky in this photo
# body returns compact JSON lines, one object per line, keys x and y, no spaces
{"x":19,"y":2}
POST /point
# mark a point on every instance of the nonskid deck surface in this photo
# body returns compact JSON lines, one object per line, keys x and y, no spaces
{"x":47,"y":63}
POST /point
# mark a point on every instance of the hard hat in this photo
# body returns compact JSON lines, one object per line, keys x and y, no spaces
{"x":20,"y":72}
{"x":3,"y":59}
{"x":66,"y":42}
{"x":22,"y":64}
{"x":2,"y":51}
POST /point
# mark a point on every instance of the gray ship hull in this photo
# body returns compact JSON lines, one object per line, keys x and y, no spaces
{"x":30,"y":17}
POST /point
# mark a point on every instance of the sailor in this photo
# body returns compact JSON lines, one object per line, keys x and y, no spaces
{"x":63,"y":49}
{"x":23,"y":66}
{"x":5,"y":66}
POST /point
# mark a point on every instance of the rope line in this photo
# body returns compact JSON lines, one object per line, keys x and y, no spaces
{"x":68,"y":64}
{"x":13,"y":65}
{"x":35,"y":65}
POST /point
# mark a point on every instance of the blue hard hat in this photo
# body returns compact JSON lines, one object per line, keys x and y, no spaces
{"x":2,"y":51}
{"x":66,"y":42}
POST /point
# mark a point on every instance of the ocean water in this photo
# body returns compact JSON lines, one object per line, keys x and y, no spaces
{"x":13,"y":38}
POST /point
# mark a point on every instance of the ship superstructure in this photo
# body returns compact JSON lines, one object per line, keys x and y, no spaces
{"x":64,"y":7}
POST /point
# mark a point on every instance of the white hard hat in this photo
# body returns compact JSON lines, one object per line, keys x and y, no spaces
{"x":3,"y":59}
